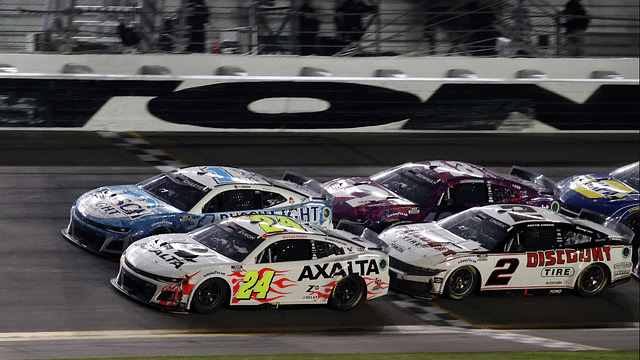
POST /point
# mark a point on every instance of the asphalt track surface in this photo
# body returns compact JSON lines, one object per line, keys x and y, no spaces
{"x":57,"y":301}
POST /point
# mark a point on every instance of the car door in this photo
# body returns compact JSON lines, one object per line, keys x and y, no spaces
{"x":516,"y":262}
{"x":460,"y":197}
{"x":297,"y":270}
{"x":272,"y":276}
{"x":233,"y":202}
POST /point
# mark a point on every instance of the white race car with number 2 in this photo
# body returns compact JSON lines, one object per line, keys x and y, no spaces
{"x":253,"y":260}
{"x":508,"y":247}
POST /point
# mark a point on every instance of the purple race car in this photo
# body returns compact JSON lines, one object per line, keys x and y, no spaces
{"x":431,"y":190}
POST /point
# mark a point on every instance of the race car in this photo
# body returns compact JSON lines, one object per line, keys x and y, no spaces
{"x":106,"y":220}
{"x":254,"y":260}
{"x":614,"y":194}
{"x":432,"y":190}
{"x":508,"y":247}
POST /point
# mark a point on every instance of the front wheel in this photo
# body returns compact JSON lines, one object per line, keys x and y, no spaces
{"x":461,"y":283}
{"x":591,"y":280}
{"x":347,"y":293}
{"x":209,"y":296}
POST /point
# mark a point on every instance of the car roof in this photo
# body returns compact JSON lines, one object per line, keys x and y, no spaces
{"x":213,"y":176}
{"x":448,"y":169}
{"x":515,"y":214}
{"x":269,"y":225}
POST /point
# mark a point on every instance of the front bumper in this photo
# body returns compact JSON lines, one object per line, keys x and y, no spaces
{"x":419,"y":289}
{"x":149,"y":291}
{"x":93,"y":238}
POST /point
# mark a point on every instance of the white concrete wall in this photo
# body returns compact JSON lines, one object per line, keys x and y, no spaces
{"x":267,"y":65}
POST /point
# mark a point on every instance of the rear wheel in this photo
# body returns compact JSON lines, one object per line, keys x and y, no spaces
{"x":634,"y":224}
{"x":347,"y":293}
{"x":591,"y":280}
{"x":461,"y":283}
{"x":209,"y":296}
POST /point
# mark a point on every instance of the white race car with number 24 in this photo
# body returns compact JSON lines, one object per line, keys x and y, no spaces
{"x":253,"y":260}
{"x":508,"y":247}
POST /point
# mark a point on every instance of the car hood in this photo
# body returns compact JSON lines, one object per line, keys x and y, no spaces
{"x":121,"y":205}
{"x":597,"y":192}
{"x":172,"y":255}
{"x":363,"y":193}
{"x":426,"y":244}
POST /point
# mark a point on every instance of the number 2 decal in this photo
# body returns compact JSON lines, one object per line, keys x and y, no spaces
{"x":254,"y":284}
{"x":498,"y":277}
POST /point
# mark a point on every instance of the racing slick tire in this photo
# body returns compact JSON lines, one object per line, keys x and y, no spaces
{"x":633,"y":223}
{"x":209,"y":296}
{"x":347,"y":293}
{"x":592,"y":280}
{"x":461,"y":283}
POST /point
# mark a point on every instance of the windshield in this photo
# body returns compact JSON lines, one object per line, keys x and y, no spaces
{"x":231,"y":241}
{"x":628,"y":174}
{"x":175,"y":189}
{"x":476,"y":226}
{"x":407,"y":183}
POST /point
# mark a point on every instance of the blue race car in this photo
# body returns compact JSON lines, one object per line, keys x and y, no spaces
{"x":614,"y":194}
{"x":108,"y":219}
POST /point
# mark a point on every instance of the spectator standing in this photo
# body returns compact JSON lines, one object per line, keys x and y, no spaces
{"x":482,"y":41}
{"x":198,"y":16}
{"x":350,"y":19}
{"x":576,"y":24}
{"x":308,"y":28}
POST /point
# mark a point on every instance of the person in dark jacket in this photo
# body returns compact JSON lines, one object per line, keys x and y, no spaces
{"x":575,"y":25}
{"x":197,"y":18}
{"x":350,"y":19}
{"x":308,"y":28}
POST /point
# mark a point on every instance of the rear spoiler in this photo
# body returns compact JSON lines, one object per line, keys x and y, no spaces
{"x":363,"y":232}
{"x":608,"y":222}
{"x":535,"y":178}
{"x":307,"y":182}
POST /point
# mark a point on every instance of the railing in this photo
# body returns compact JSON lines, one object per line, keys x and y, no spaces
{"x":529,"y":28}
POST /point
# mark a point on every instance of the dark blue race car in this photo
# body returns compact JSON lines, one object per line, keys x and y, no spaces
{"x":614,"y":194}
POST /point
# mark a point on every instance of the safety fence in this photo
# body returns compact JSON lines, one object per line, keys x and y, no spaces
{"x":508,"y":28}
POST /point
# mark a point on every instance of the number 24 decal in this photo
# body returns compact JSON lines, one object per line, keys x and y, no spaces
{"x":270,"y":226}
{"x":254,"y":284}
{"x":498,"y":277}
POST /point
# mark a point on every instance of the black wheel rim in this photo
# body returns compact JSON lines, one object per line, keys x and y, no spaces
{"x":460,"y":282}
{"x":592,"y":279}
{"x":347,"y":291}
{"x":209,"y":295}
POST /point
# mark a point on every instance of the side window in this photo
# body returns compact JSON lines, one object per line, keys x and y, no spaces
{"x":500,"y":194}
{"x":514,"y":244}
{"x":234,"y":200}
{"x":470,"y":193}
{"x":270,"y":199}
{"x":539,"y":237}
{"x":287,"y":250}
{"x":577,"y":237}
{"x":321,"y":249}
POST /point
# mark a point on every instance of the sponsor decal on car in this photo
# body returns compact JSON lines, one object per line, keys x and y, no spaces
{"x":553,"y":257}
{"x":362,"y":268}
{"x":609,"y":189}
{"x":312,"y":213}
